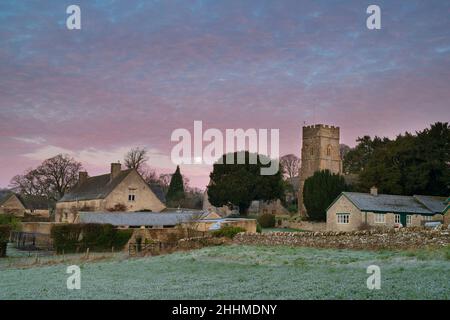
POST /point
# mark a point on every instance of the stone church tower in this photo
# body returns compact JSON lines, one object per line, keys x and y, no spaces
{"x":320,"y":151}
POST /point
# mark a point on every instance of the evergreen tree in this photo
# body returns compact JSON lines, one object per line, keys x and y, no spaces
{"x":240,"y":184}
{"x":319,"y":192}
{"x":176,"y":188}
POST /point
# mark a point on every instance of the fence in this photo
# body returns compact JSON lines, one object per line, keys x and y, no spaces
{"x":31,"y":241}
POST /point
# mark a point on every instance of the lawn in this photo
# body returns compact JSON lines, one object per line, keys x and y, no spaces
{"x":242,"y":272}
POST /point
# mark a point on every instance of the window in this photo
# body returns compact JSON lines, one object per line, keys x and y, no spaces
{"x":312,"y":151}
{"x":329,"y":151}
{"x":427,"y":218}
{"x":132,"y":195}
{"x":380,"y":218}
{"x":397,"y":218}
{"x":343,"y":218}
{"x":408,"y":220}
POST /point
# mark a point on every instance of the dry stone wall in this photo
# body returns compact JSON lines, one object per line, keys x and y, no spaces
{"x":369,"y":239}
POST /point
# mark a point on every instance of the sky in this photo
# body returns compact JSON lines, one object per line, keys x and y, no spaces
{"x":139,"y":69}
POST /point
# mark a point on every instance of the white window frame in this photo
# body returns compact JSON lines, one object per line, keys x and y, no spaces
{"x":427,"y":218}
{"x":397,"y":218}
{"x":343,"y":218}
{"x":408,"y":220}
{"x":379,"y":215}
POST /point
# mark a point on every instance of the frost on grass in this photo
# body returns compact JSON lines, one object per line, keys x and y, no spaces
{"x":242,"y":272}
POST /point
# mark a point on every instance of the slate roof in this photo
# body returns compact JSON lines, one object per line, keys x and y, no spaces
{"x":435,"y":204}
{"x":98,"y":187}
{"x":395,"y":204}
{"x":137,"y":219}
{"x":158,"y":191}
{"x":29,"y":202}
{"x":4,"y":195}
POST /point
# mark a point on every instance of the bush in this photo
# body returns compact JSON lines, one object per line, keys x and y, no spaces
{"x":4,"y":238}
{"x":122,"y":237}
{"x":266,"y":220}
{"x":10,"y":220}
{"x":96,"y":237}
{"x":258,"y":227}
{"x":118,"y":207}
{"x":228,"y":232}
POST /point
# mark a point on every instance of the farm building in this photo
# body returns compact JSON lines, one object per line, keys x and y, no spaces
{"x":123,"y":190}
{"x":18,"y":205}
{"x":353,"y":210}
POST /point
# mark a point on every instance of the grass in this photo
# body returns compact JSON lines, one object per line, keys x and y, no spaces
{"x":242,"y":272}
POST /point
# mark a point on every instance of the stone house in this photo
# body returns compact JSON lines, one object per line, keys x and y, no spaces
{"x":119,"y":190}
{"x":353,"y":210}
{"x":18,"y":205}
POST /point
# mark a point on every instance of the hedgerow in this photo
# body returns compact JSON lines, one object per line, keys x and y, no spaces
{"x":96,"y":237}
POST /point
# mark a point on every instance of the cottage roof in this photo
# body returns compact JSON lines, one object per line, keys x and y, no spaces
{"x":137,"y":219}
{"x":5,"y":195}
{"x":395,"y":203}
{"x":158,"y":191}
{"x":435,"y":204}
{"x":98,"y":187}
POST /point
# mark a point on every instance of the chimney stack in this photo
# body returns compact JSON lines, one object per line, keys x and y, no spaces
{"x":82,"y":177}
{"x":374,"y":191}
{"x":115,"y":169}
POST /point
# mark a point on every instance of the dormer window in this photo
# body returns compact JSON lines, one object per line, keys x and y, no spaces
{"x":131,"y":195}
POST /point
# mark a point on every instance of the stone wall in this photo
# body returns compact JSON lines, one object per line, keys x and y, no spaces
{"x":309,"y":226}
{"x":373,"y":239}
{"x":37,"y":227}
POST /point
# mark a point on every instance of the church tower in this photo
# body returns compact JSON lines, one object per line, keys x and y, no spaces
{"x":320,"y":151}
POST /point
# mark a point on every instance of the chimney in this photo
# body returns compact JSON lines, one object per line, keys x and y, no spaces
{"x":115,"y":169}
{"x":374,"y":191}
{"x":82,"y":177}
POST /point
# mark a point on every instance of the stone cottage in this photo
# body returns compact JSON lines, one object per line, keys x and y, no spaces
{"x":353,"y":210}
{"x":18,"y":205}
{"x":119,"y":190}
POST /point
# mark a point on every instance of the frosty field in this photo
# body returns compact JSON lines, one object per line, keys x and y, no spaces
{"x":242,"y":272}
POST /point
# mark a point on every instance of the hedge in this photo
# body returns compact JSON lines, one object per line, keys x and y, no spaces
{"x":5,"y":231}
{"x":228,"y":231}
{"x":97,"y":237}
{"x":266,"y":220}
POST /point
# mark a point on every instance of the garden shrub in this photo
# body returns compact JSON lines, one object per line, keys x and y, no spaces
{"x":266,"y":220}
{"x":11,"y":220}
{"x":96,"y":237}
{"x":4,"y":238}
{"x":258,"y":227}
{"x":228,"y":232}
{"x":122,"y":237}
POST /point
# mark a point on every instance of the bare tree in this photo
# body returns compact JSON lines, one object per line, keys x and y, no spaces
{"x":148,"y":174}
{"x":53,"y":178}
{"x":290,"y":164}
{"x":164,"y":181}
{"x":135,"y":158}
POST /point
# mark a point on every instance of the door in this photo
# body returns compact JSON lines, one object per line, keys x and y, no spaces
{"x":403,"y":219}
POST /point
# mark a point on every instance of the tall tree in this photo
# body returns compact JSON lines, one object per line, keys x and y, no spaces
{"x":136,"y":158}
{"x":176,"y":188}
{"x":53,"y":178}
{"x":410,"y":164}
{"x":319,"y":192}
{"x":240,"y":184}
{"x":357,"y":158}
{"x":290,"y":165}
